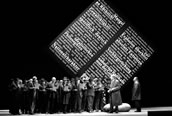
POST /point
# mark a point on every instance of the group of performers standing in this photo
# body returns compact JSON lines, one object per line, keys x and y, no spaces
{"x":39,"y":96}
{"x":66,"y":95}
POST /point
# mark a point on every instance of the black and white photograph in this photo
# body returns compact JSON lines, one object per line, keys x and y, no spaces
{"x":86,"y":57}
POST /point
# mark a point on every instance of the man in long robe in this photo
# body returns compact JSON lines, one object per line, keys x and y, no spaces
{"x":115,"y":95}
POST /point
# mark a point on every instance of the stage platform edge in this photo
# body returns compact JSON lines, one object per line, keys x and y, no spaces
{"x":145,"y":112}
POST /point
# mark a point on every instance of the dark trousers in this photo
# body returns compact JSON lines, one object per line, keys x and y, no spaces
{"x":112,"y":105}
{"x":57,"y":106}
{"x":66,"y":101}
{"x":84,"y":100}
{"x":113,"y":110}
{"x":137,"y":105}
{"x":42,"y":101}
{"x":60,"y":100}
{"x":90,"y":100}
{"x":51,"y":102}
{"x":14,"y":103}
{"x":98,"y":100}
{"x":25,"y":102}
{"x":65,"y":106}
{"x":107,"y":98}
{"x":72,"y":101}
{"x":78,"y":103}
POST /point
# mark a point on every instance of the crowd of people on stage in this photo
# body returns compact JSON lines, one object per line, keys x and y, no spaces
{"x":66,"y":95}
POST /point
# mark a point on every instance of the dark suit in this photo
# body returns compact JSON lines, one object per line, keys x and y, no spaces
{"x":73,"y":97}
{"x":25,"y":99}
{"x":84,"y":96}
{"x":78,"y":98}
{"x":51,"y":97}
{"x":98,"y":99}
{"x":42,"y":98}
{"x":115,"y":95}
{"x":60,"y":98}
{"x":13,"y":88}
{"x":66,"y":96}
{"x":90,"y":96}
{"x":136,"y":95}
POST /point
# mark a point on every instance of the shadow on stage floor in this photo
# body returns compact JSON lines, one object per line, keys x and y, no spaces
{"x":145,"y":112}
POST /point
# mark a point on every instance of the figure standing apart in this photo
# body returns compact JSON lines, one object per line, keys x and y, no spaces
{"x":136,"y":94}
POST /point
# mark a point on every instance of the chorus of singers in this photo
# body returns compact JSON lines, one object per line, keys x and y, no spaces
{"x":66,"y":95}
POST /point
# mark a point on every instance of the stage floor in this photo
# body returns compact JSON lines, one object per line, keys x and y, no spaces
{"x":130,"y":113}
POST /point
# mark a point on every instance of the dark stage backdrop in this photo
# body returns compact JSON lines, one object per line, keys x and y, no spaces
{"x":28,"y":28}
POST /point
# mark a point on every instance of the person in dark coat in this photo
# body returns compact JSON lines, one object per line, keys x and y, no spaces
{"x":98,"y":99}
{"x":136,"y":94}
{"x":106,"y":88}
{"x":60,"y":98}
{"x":115,"y":95}
{"x":83,"y":85}
{"x":42,"y":96}
{"x":19,"y":95}
{"x":79,"y":95}
{"x":90,"y":95}
{"x":51,"y":95}
{"x":66,"y":93}
{"x":25,"y":98}
{"x":57,"y":101}
{"x":13,"y":88}
{"x":73,"y":95}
